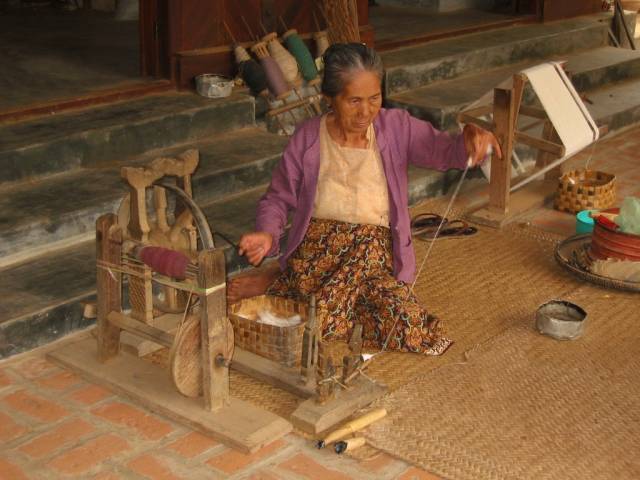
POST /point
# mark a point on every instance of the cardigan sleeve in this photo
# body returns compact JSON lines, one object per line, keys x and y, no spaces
{"x":282,"y":195}
{"x":429,"y":147}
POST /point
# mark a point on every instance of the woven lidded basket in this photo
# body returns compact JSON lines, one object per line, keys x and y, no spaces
{"x":585,"y":190}
{"x":280,"y":344}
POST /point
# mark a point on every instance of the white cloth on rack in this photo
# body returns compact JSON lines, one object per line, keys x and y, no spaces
{"x":560,"y":101}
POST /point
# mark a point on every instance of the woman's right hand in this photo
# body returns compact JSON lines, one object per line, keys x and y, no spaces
{"x":255,"y":246}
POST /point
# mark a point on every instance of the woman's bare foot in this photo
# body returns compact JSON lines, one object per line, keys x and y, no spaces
{"x":251,"y":284}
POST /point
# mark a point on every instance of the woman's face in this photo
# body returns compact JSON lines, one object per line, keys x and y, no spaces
{"x":358,"y":103}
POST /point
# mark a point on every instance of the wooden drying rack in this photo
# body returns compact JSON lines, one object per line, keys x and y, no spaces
{"x":507,"y":107}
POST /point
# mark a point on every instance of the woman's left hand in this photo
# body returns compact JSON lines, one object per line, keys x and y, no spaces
{"x":477,"y":142}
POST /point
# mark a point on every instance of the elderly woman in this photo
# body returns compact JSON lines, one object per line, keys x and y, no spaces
{"x":343,"y":175}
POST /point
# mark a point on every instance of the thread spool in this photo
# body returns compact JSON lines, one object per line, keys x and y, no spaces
{"x":322,"y":42}
{"x":285,"y":60}
{"x":165,"y":261}
{"x":301,"y":53}
{"x":251,"y":72}
{"x":275,"y":78}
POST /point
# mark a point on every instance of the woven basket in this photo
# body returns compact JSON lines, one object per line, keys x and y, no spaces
{"x":585,"y":190}
{"x":280,"y":344}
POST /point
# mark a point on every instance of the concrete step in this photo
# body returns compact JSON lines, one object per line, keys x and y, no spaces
{"x":414,"y":67}
{"x":43,"y":297}
{"x":63,"y":209}
{"x":440,"y":103}
{"x":88,"y":138}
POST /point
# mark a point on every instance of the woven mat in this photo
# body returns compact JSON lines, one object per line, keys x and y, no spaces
{"x":523,"y":405}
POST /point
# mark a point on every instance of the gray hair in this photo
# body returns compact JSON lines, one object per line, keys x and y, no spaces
{"x":343,"y":59}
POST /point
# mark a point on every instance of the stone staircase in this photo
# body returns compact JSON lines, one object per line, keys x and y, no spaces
{"x":61,"y":172}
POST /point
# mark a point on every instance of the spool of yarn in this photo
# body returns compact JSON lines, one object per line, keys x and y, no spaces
{"x":250,"y":71}
{"x":301,"y":53}
{"x":241,"y":54}
{"x":322,"y":42}
{"x":254,"y":76}
{"x":285,"y":60}
{"x":165,"y":261}
{"x":275,"y":79}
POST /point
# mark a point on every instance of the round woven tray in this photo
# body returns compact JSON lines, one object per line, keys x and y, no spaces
{"x":568,"y":254}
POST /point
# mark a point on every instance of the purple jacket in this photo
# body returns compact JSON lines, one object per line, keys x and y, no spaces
{"x":402,"y":139}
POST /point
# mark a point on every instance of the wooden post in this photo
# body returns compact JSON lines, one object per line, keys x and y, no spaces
{"x":545,"y":158}
{"x":309,"y":363}
{"x":503,"y":117}
{"x":214,"y":326}
{"x":109,"y":284}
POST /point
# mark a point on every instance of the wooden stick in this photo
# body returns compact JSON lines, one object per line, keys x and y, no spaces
{"x":353,"y":426}
{"x":283,"y":24}
{"x":226,"y":27}
{"x":262,"y":26}
{"x":315,"y":20}
{"x":109,"y":285}
{"x":248,"y":28}
{"x":141,"y":329}
{"x":503,"y":114}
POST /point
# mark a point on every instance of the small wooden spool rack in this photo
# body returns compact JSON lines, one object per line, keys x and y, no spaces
{"x":502,"y":118}
{"x":200,"y":336}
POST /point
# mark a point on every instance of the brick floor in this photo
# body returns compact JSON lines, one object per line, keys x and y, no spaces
{"x":55,"y":425}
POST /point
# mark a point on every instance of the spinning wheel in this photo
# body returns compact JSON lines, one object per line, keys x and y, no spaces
{"x":178,"y":232}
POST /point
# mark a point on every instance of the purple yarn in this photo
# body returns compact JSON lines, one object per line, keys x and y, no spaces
{"x":275,"y":79}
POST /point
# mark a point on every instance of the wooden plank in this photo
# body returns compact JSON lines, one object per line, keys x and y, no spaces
{"x":534,"y":112}
{"x":555,"y":149}
{"x":240,"y":425}
{"x":108,"y":284}
{"x":545,"y":157}
{"x":214,"y":329}
{"x":270,"y":372}
{"x":503,"y":116}
{"x":141,"y":329}
{"x":314,"y":418}
{"x":534,"y":195}
{"x":140,"y":347}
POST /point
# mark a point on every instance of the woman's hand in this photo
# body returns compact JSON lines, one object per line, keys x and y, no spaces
{"x":477,"y":142}
{"x":255,"y":246}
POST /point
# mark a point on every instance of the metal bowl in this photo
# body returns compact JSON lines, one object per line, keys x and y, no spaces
{"x":213,"y":86}
{"x":561,"y":320}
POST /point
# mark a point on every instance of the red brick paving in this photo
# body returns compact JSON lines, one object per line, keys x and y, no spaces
{"x":35,"y":406}
{"x":10,"y":471}
{"x":9,"y":429}
{"x":54,"y":439}
{"x":306,"y":467}
{"x":82,"y":458}
{"x":90,"y":394}
{"x":151,"y":467}
{"x":147,"y":425}
{"x":192,"y":444}
{"x":232,"y":461}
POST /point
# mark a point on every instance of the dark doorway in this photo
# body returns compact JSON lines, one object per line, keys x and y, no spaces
{"x":60,"y":50}
{"x":398,"y":23}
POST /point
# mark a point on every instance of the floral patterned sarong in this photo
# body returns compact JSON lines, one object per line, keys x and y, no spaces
{"x":350,"y":270}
